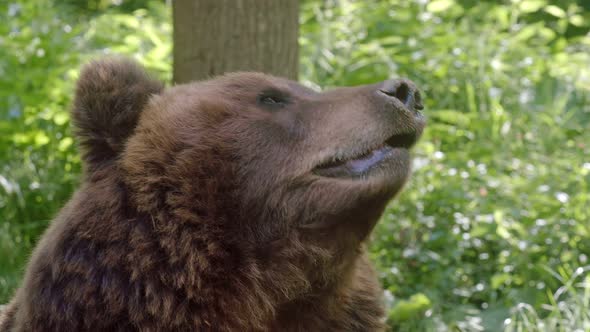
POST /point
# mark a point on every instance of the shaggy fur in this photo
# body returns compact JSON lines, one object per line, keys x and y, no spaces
{"x":200,"y":208}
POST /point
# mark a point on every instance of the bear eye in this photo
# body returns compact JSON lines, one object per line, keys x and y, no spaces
{"x":272,"y":99}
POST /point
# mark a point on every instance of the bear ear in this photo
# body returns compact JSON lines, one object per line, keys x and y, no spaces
{"x":110,"y":95}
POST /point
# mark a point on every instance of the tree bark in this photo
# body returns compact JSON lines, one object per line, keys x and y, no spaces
{"x":212,"y":37}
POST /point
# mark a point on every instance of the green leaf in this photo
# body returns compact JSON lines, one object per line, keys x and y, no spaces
{"x":437,"y":6}
{"x":65,"y":143}
{"x":41,"y":139}
{"x":578,"y":20}
{"x":526,"y":33}
{"x":454,"y":117}
{"x":60,"y":118}
{"x":555,"y":11}
{"x":529,"y":6}
{"x":415,"y":306}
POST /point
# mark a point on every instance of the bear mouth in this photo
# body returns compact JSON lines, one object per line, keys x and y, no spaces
{"x":361,"y":164}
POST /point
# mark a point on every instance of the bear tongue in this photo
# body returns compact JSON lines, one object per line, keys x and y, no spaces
{"x":364,"y":163}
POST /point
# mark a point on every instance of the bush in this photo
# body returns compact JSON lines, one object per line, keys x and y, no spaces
{"x":500,"y":189}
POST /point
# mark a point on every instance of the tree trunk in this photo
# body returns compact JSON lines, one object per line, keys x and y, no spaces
{"x":212,"y":37}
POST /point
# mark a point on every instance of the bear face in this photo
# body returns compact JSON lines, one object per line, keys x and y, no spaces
{"x":237,"y":203}
{"x":295,"y":159}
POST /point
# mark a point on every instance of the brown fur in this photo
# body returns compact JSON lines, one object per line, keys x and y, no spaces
{"x":200,"y":209}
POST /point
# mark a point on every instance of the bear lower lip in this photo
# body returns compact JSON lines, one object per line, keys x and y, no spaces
{"x":362,"y":165}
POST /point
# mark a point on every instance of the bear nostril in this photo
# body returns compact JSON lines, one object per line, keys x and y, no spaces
{"x":418,"y":101}
{"x":404,"y":92}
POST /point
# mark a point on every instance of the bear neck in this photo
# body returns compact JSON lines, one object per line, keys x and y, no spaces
{"x":225,"y":274}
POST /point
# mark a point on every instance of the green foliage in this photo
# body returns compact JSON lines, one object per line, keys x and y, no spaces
{"x":500,"y":190}
{"x":414,"y":307}
{"x":39,"y":164}
{"x":568,"y":308}
{"x":502,"y":175}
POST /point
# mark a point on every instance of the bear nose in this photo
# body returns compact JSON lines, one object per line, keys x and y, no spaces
{"x":405,"y":91}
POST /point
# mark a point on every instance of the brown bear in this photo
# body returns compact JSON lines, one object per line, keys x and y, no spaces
{"x":240,"y":203}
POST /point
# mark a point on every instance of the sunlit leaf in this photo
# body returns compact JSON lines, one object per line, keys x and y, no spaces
{"x":529,"y":6}
{"x":416,"y":305}
{"x":60,"y":118}
{"x":65,"y":143}
{"x":41,"y":139}
{"x":436,"y":6}
{"x":555,"y":11}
